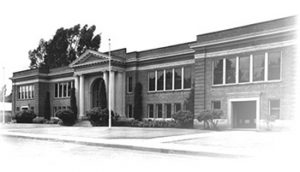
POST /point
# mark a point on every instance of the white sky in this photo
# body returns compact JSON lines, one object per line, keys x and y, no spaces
{"x":132,"y":24}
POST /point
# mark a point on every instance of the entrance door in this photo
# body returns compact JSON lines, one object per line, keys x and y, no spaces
{"x":98,"y":93}
{"x":244,"y":114}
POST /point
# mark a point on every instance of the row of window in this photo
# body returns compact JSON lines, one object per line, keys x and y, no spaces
{"x":162,"y":110}
{"x":170,"y":79}
{"x":26,"y":92}
{"x":249,"y":68}
{"x":63,"y":89}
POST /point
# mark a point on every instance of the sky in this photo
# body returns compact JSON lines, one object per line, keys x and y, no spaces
{"x":132,"y":24}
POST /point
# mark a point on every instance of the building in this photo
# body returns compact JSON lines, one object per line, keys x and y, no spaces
{"x":247,"y":71}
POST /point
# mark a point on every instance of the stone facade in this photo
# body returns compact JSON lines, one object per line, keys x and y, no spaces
{"x":197,"y":56}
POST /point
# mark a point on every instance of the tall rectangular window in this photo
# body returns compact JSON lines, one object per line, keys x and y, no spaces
{"x":169,"y":79}
{"x":129,"y":111}
{"x":129,"y":84}
{"x":177,"y":107}
{"x":69,"y":88}
{"x":168,"y":110}
{"x":218,"y":71}
{"x":159,"y":112}
{"x":275,"y":108}
{"x":56,"y":90}
{"x":244,"y":69}
{"x":65,"y":89}
{"x":230,"y":70}
{"x":160,"y":80}
{"x":151,"y":81}
{"x":150,"y":111}
{"x":178,"y":76}
{"x":274,"y":62}
{"x":187,"y":77}
{"x":259,"y":67}
{"x":60,"y":89}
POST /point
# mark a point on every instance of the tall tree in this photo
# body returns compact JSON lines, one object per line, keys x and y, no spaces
{"x":73,"y":104}
{"x":65,"y":46}
{"x":138,"y":102}
{"x":103,"y":99}
{"x":47,"y":113}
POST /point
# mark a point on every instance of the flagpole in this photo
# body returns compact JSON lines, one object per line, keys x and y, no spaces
{"x":3,"y":97}
{"x":109,"y":85}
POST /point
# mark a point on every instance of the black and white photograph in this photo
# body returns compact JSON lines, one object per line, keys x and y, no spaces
{"x":140,"y":85}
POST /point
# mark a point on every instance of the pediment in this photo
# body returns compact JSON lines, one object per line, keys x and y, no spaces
{"x":89,"y":58}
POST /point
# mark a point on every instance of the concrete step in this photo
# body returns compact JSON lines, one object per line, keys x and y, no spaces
{"x":83,"y":123}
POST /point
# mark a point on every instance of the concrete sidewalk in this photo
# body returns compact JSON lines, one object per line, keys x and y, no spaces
{"x":229,"y":144}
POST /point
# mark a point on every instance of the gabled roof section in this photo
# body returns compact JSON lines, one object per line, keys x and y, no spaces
{"x":90,"y":57}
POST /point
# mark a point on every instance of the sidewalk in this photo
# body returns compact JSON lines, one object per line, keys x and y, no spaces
{"x":229,"y":144}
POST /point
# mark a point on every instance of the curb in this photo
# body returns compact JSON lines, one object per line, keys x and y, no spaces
{"x":99,"y":142}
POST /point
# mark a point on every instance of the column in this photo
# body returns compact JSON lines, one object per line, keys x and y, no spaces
{"x":112,"y":89}
{"x":120,"y":93}
{"x":105,"y":78}
{"x":76,"y":90}
{"x":81,"y":96}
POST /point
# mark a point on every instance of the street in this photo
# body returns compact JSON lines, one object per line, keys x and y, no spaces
{"x":19,"y":154}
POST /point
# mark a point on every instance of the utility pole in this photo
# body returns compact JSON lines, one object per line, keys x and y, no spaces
{"x":109,"y":85}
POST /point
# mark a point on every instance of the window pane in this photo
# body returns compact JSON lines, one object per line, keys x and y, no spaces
{"x":60,"y":90}
{"x":168,"y":110}
{"x":169,"y":79}
{"x":230,"y":70}
{"x":151,"y":81}
{"x":65,"y":89}
{"x":56,"y":90}
{"x":32,"y":91}
{"x":26,"y":92}
{"x":187,"y":77}
{"x":177,"y":107}
{"x":160,"y":80}
{"x":129,"y":84}
{"x":258,"y":67}
{"x":20,"y":91}
{"x":69,"y":88}
{"x":244,"y":69}
{"x":159,"y":110}
{"x":129,"y":110}
{"x":275,"y":108}
{"x":150,"y":110}
{"x":177,"y":78}
{"x":274,"y":65}
{"x":216,"y":104}
{"x":218,"y":71}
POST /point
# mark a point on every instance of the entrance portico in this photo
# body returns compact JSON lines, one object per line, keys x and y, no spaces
{"x":90,"y":67}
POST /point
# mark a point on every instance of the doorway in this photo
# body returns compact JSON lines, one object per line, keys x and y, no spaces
{"x":244,"y":114}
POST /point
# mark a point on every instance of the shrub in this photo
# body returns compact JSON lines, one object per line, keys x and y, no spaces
{"x":99,"y":117}
{"x":209,"y":118}
{"x":54,"y":120}
{"x":185,"y":119}
{"x":67,"y":117}
{"x":25,"y":116}
{"x":39,"y":120}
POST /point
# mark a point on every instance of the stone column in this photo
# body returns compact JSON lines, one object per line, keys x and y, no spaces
{"x":81,"y":96}
{"x":119,"y":93}
{"x":76,"y":90}
{"x":112,"y":89}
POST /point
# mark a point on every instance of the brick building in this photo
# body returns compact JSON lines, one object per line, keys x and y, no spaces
{"x":248,"y":72}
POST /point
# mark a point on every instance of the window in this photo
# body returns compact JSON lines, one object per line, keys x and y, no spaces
{"x":168,"y":110}
{"x":275,"y":108}
{"x":218,"y":71}
{"x":177,"y":73}
{"x":160,"y":80}
{"x":216,"y":104}
{"x":26,"y":92}
{"x":230,"y":70}
{"x":63,"y":89}
{"x":169,"y":79}
{"x":187,"y":77}
{"x":258,"y":67}
{"x":159,"y":112}
{"x":129,"y":111}
{"x":151,"y":81}
{"x":150,"y":111}
{"x":244,"y":69}
{"x":129,"y":84}
{"x":177,"y":107}
{"x":274,"y":61}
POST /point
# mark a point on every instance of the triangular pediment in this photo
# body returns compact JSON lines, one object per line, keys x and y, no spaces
{"x":89,"y":58}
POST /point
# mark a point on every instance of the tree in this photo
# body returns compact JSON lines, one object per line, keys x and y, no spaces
{"x":73,"y":103}
{"x":47,"y":114}
{"x":138,"y":102}
{"x":103,"y":99}
{"x":189,"y":102}
{"x":65,"y":46}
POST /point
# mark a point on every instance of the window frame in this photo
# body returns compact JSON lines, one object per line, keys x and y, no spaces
{"x":279,"y":108}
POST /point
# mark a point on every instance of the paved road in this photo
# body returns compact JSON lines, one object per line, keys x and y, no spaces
{"x":18,"y":154}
